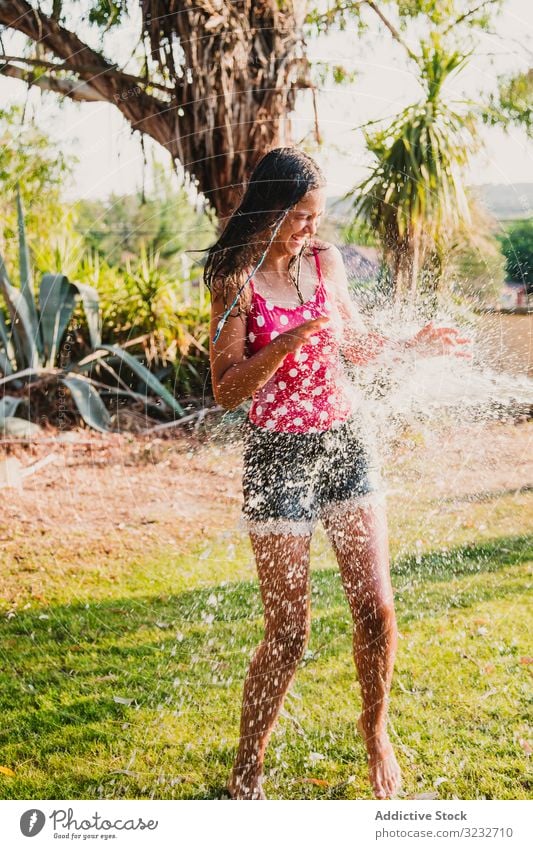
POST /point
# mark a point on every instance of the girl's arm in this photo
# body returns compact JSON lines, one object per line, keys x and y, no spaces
{"x":236,"y":377}
{"x":359,"y":345}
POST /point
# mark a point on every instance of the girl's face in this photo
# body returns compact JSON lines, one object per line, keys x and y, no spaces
{"x":302,"y":222}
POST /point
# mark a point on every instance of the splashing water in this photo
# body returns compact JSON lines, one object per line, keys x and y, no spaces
{"x":402,"y":389}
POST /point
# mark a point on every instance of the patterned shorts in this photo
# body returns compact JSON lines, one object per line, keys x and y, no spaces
{"x":291,"y":480}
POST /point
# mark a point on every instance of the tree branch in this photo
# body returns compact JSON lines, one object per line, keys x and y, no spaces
{"x":329,"y":17}
{"x":469,"y":14}
{"x":63,"y":66}
{"x":73,"y":89}
{"x":232,"y":89}
{"x":145,"y":112}
{"x":392,"y":29}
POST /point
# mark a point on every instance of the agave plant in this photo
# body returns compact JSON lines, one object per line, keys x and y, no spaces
{"x":32,"y":329}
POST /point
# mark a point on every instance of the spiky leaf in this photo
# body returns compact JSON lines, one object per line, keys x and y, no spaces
{"x":8,"y":406}
{"x":146,"y":376}
{"x":19,"y":428}
{"x":57,"y":299}
{"x":90,"y":406}
{"x":25,"y":330}
{"x":5,"y":363}
{"x":26,"y":281}
{"x":6,"y":350}
{"x":91,"y":306}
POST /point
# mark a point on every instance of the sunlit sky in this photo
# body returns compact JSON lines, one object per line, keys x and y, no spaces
{"x":110,"y":159}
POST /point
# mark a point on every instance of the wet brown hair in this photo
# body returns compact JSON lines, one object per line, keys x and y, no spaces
{"x":279,"y":181}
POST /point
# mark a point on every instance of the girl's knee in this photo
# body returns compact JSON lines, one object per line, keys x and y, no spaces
{"x":377,"y":615}
{"x":288,"y":644}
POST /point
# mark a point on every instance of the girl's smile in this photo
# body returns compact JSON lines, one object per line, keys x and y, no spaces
{"x":299,"y":227}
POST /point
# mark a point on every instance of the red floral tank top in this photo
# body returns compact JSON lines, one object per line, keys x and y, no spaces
{"x":308,"y":392}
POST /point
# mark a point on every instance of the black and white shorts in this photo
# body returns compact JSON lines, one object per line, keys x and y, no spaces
{"x":290,"y":480}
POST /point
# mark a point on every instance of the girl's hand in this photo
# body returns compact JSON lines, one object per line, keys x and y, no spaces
{"x":290,"y":341}
{"x":439,"y":341}
{"x":364,"y":348}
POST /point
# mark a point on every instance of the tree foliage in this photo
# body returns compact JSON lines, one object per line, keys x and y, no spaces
{"x":475,"y":264}
{"x":512,"y":104}
{"x":215,"y":84}
{"x":32,"y":163}
{"x":162,"y":220}
{"x":517,"y":247}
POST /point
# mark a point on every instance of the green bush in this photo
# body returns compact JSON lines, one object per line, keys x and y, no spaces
{"x":36,"y":351}
{"x":517,"y":247}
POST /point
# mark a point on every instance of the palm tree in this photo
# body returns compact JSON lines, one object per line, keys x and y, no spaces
{"x":415,"y":194}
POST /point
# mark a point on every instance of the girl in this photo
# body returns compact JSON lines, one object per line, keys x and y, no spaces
{"x":277,"y":338}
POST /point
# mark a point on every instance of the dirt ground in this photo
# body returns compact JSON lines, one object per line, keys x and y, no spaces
{"x":117,"y":492}
{"x":124,"y":492}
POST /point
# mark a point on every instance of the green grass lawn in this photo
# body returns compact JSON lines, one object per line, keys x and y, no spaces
{"x":126,"y":681}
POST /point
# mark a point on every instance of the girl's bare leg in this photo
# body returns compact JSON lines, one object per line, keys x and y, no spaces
{"x":283,"y":570}
{"x":360,"y":540}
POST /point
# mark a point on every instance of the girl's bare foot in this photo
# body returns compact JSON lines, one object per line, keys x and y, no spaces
{"x":245,"y":786}
{"x":383,"y":769}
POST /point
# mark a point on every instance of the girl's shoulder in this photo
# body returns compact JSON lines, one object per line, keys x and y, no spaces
{"x":332,"y":269}
{"x":327,"y":250}
{"x":329,"y":255}
{"x":319,"y":245}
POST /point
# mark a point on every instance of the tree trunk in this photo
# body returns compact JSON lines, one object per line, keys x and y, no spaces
{"x":414,"y":258}
{"x":246,"y":62}
{"x":401,"y":269}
